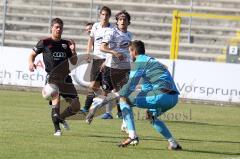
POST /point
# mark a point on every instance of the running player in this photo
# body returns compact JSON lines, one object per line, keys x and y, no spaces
{"x":94,"y":42}
{"x":115,"y":45}
{"x":56,"y":52}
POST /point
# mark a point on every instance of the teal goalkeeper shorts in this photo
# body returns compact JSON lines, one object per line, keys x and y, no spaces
{"x":154,"y":100}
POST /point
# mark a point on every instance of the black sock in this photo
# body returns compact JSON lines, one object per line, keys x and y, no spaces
{"x":56,"y":117}
{"x":66,"y":113}
{"x":89,"y":100}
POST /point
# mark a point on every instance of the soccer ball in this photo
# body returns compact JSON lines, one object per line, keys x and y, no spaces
{"x":50,"y":91}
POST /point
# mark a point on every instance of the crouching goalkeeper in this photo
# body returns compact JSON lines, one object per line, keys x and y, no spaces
{"x":157,"y":93}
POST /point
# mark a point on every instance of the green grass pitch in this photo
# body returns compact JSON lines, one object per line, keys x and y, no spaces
{"x":204,"y":131}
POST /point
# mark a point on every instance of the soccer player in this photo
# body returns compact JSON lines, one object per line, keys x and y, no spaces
{"x":117,"y":65}
{"x":94,"y":42}
{"x":157,"y":93}
{"x":56,"y":52}
{"x":88,"y":28}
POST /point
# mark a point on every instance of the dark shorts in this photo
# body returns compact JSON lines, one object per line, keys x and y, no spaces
{"x":96,"y":75}
{"x":65,"y":85}
{"x":114,"y":78}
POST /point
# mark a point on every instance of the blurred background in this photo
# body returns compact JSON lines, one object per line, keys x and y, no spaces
{"x":23,"y":22}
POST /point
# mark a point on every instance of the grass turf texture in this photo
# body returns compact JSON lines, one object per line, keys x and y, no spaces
{"x":204,"y":132}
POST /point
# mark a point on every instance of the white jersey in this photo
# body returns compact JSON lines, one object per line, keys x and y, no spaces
{"x":118,"y":41}
{"x":97,"y":34}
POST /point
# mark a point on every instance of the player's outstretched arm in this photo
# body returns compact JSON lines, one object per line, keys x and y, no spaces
{"x":31,"y":59}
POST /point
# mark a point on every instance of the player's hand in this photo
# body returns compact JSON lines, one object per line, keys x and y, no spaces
{"x":118,"y":55}
{"x":72,"y":46}
{"x":32,"y":67}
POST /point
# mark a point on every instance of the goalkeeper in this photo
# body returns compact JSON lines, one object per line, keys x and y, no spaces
{"x":157,"y":93}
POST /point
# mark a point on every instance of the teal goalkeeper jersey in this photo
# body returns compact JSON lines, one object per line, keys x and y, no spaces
{"x":153,"y":75}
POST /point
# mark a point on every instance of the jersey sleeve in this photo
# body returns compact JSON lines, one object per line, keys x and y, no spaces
{"x":39,"y":47}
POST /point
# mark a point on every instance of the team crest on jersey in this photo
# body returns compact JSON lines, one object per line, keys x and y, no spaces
{"x":64,"y":46}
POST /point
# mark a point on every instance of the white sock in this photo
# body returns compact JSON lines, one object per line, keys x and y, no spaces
{"x":132,"y":134}
{"x":124,"y":123}
{"x":97,"y":101}
{"x":109,"y":108}
{"x":172,"y":142}
{"x":171,"y":139}
{"x":124,"y":126}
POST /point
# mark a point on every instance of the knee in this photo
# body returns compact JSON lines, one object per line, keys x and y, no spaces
{"x":126,"y":109}
{"x":123,"y":103}
{"x":75,"y":106}
{"x":127,"y":112}
{"x":152,"y":115}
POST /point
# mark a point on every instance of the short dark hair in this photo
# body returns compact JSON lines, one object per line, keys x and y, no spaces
{"x":125,"y":13}
{"x":139,"y":46}
{"x":89,"y":23}
{"x":56,"y":20}
{"x":107,"y":9}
